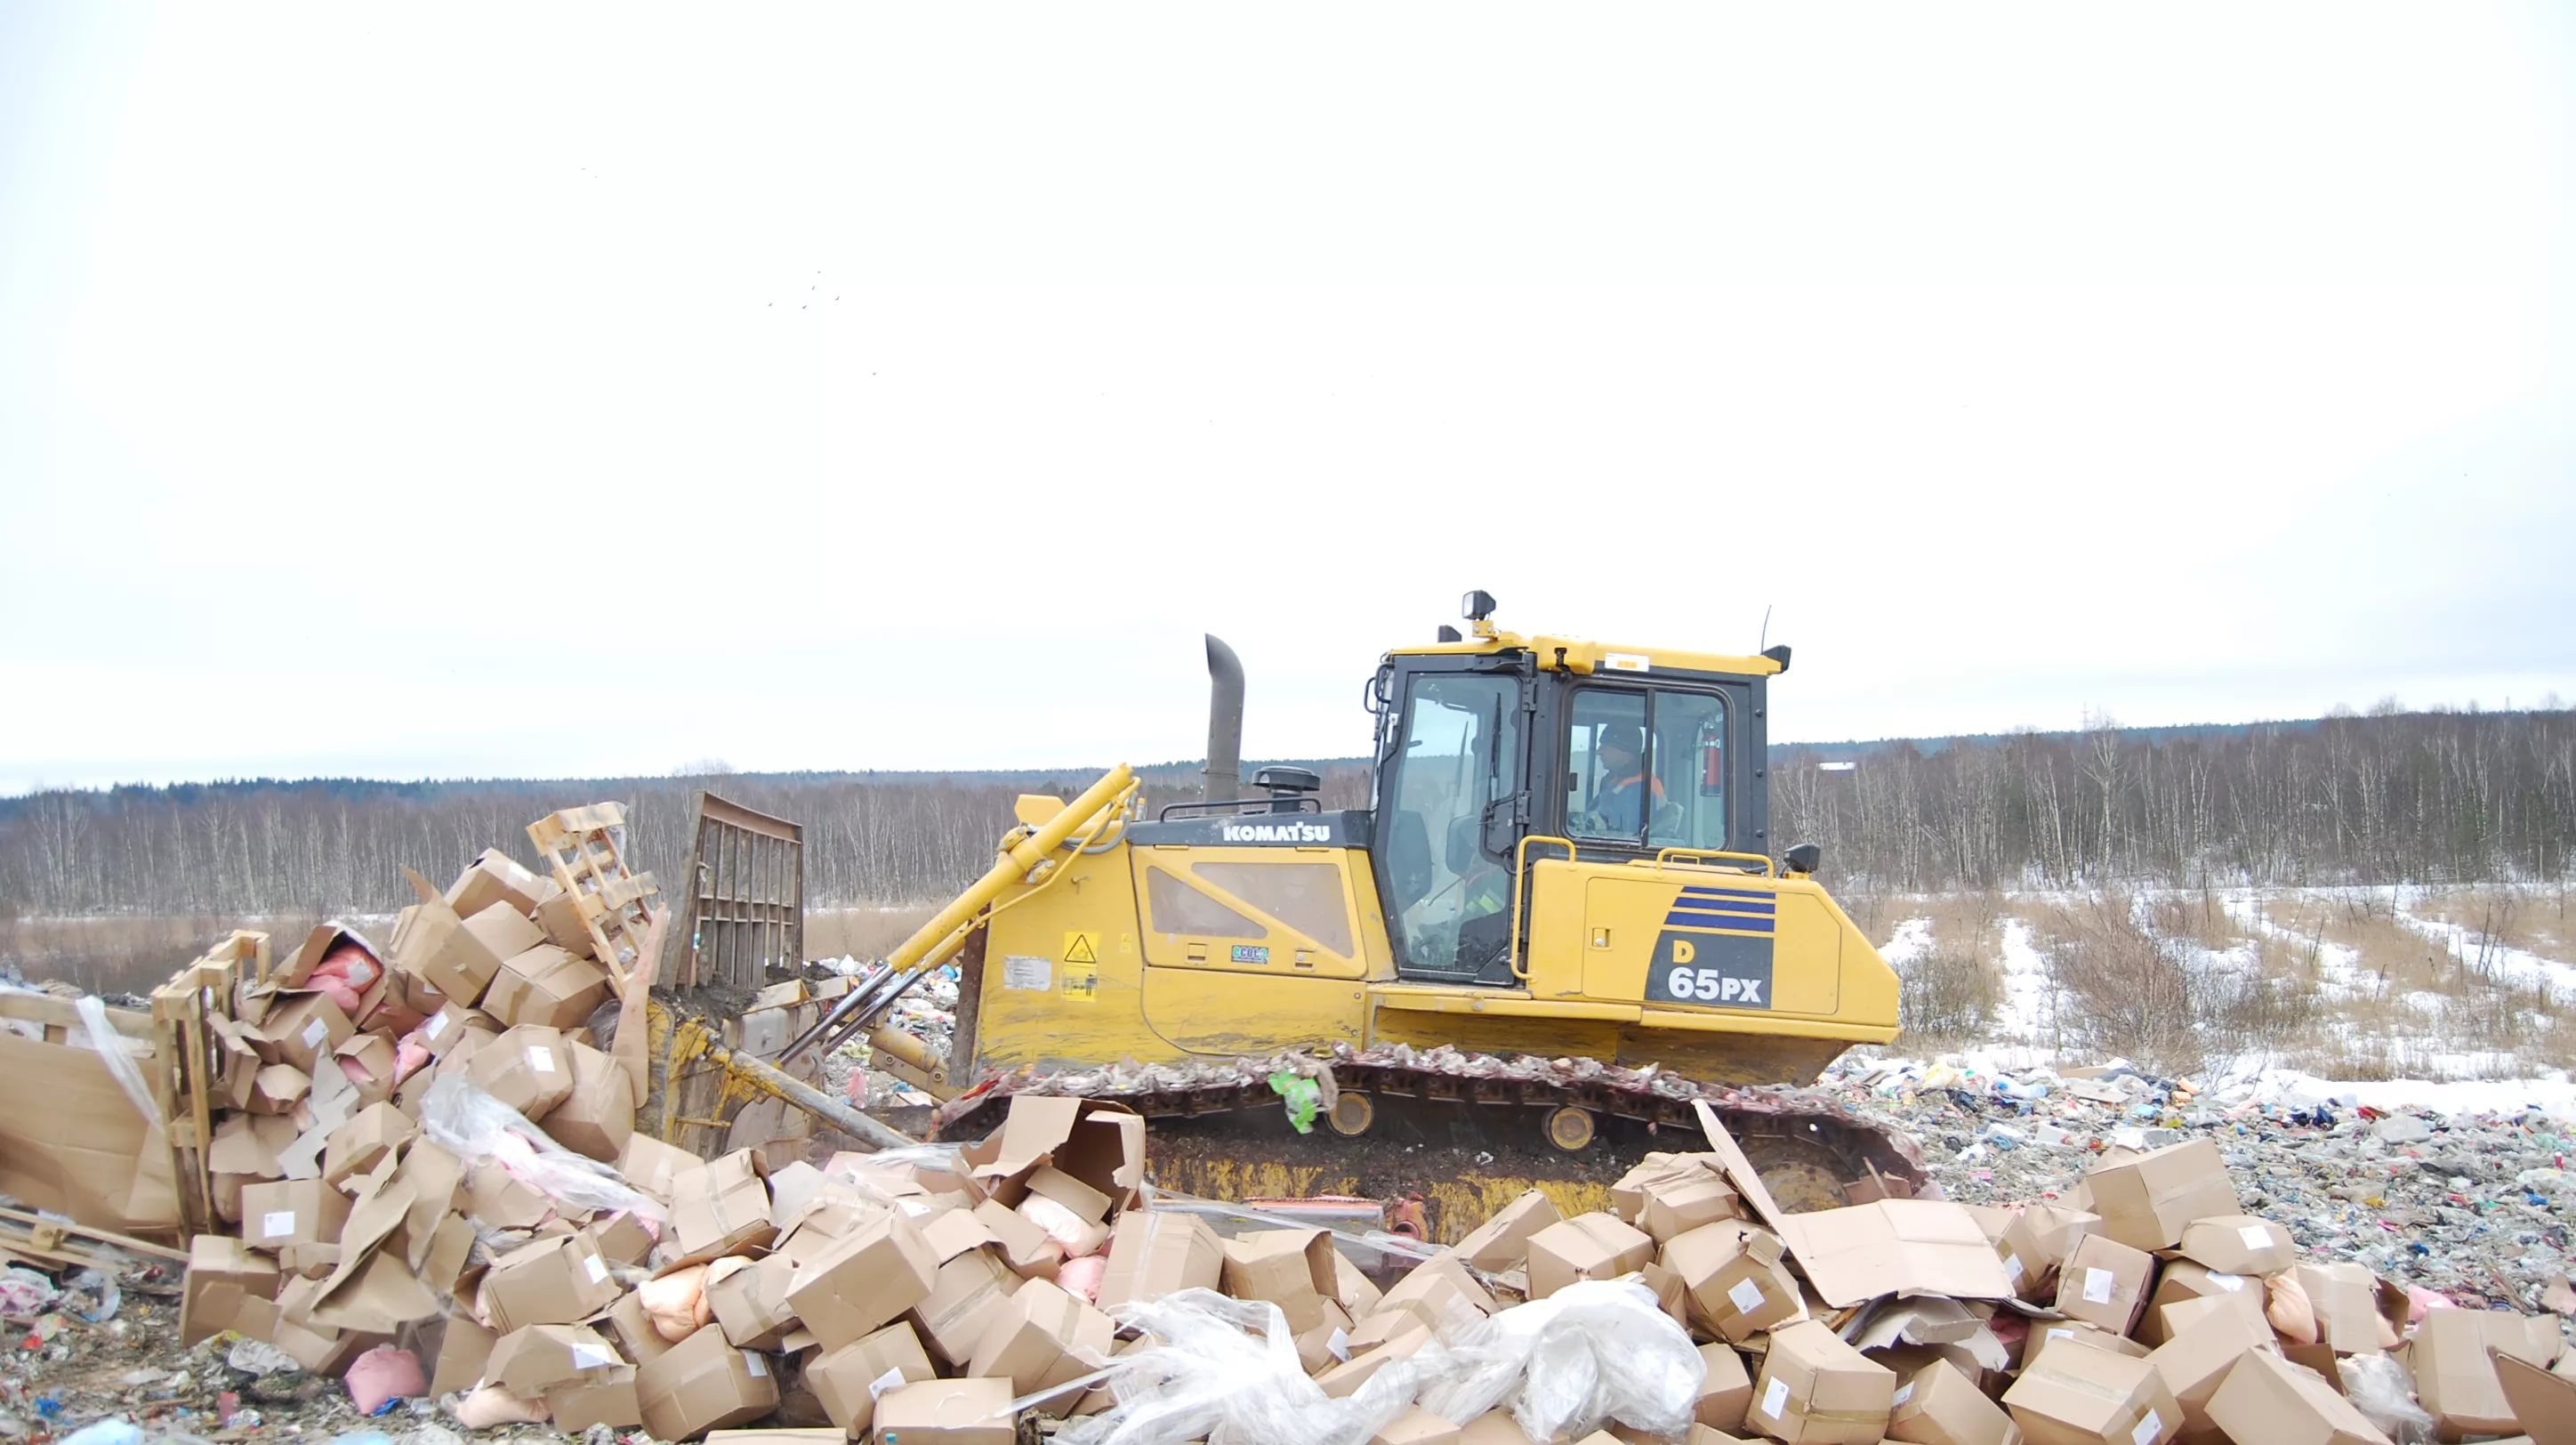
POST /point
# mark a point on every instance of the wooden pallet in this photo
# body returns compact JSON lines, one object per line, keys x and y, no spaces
{"x":188,"y":1063}
{"x":582,"y":846}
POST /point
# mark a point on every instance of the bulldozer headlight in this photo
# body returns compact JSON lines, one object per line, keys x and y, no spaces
{"x":1477,"y":606}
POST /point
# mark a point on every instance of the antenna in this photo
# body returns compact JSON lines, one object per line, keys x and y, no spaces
{"x":1766,"y":626}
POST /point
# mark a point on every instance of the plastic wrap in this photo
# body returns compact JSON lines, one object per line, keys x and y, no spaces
{"x":116,"y":1049}
{"x":474,"y":1126}
{"x":2379,"y":1388}
{"x":1208,"y":1377}
{"x":1593,"y":1352}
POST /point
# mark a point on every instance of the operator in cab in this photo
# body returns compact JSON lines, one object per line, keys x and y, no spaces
{"x":1620,"y":805}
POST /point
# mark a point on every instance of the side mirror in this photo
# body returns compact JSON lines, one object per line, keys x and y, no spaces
{"x":1802,"y":858}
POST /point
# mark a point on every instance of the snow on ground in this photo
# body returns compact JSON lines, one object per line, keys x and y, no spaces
{"x":2027,"y":1014}
{"x":2489,"y":957}
{"x":2552,"y":1093}
{"x":1911,"y":939}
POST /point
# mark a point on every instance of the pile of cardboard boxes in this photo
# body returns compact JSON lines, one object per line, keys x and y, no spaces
{"x":948,"y":1298}
{"x":2146,"y":1309}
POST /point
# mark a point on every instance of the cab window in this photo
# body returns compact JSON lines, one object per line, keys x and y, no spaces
{"x":1647,"y":768}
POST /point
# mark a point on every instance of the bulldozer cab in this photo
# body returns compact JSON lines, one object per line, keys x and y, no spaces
{"x":1495,"y":752}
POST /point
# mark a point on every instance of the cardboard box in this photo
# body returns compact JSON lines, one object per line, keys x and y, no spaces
{"x":749,"y":1298}
{"x":358,"y":1146}
{"x":291,"y":1213}
{"x":2077,"y":1395}
{"x":2034,"y":1244}
{"x":653,"y":1167}
{"x":450,"y":1026}
{"x":947,"y":1412}
{"x":1816,"y":1390}
{"x":561,"y":919}
{"x":2267,"y":1399}
{"x":1628,"y":1194}
{"x":849,"y":1380}
{"x":1355,"y":1292}
{"x":2105,"y":1283}
{"x":496,"y":877}
{"x":703,"y":1383}
{"x":1725,"y":1389}
{"x":1344,"y":1380}
{"x":860,"y":1282}
{"x":722,"y":1207}
{"x":556,"y":1280}
{"x":278,"y":1088}
{"x":1588,"y":1246}
{"x":498,"y":1198}
{"x":1940,"y":1404}
{"x":964,"y":1288}
{"x":2544,"y":1400}
{"x":1678,"y":1204}
{"x":2346,"y":1297}
{"x":626,"y":1323}
{"x":2239,"y":1244}
{"x":1327,"y":1344}
{"x":2455,"y":1378}
{"x":534,"y":1358}
{"x":1497,"y":1427}
{"x":598,"y":1117}
{"x":546,"y":985}
{"x":1154,"y":1252}
{"x":223,"y":1273}
{"x":2146,"y":1202}
{"x":459,"y":953}
{"x":528,"y":1068}
{"x":2049,"y":1334}
{"x":1416,"y":1426}
{"x":1439,"y":1283}
{"x":1098,"y":1143}
{"x":2207,"y":1337}
{"x":621,"y":1238}
{"x":1031,"y":1252}
{"x":2182,"y":1280}
{"x":613,"y":1397}
{"x":1502,"y":1241}
{"x":463,"y":1350}
{"x":302,"y":1029}
{"x":1042,"y":1336}
{"x":367,"y":1061}
{"x":1738,"y":1280}
{"x":1291,"y":1268}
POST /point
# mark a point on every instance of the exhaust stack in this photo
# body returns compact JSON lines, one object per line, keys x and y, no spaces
{"x":1225,"y":722}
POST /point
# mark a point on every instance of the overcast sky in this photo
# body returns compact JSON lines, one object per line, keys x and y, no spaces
{"x":542,"y":390}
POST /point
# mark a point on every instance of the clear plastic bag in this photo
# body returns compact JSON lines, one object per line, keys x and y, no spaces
{"x":116,"y":1049}
{"x":469,"y":1123}
{"x":1591,"y":1353}
{"x":1209,"y":1377}
{"x":2381,"y":1390}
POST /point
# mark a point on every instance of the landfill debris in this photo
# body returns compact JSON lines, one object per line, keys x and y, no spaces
{"x":430,"y":1221}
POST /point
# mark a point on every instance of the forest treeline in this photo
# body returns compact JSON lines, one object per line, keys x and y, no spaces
{"x":2433,"y":797}
{"x":2394,"y":797}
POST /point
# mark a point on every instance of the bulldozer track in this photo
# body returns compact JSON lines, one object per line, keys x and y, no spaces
{"x":1444,"y":1116}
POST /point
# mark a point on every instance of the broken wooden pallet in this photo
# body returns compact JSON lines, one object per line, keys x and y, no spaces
{"x":192,"y":1016}
{"x":585,"y":849}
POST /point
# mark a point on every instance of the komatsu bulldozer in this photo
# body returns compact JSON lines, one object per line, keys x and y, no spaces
{"x":1560,"y":920}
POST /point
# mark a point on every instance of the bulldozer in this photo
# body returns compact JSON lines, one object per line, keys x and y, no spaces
{"x":1560,"y":920}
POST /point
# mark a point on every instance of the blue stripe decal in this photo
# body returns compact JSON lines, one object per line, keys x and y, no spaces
{"x":1681,"y":919}
{"x":1725,"y":905}
{"x":1705,"y":891}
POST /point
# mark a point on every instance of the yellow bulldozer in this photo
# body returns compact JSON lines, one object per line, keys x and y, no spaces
{"x":1561,"y":920}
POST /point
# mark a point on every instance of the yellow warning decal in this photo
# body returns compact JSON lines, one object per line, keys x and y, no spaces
{"x":1078,"y":948}
{"x":1081,"y":983}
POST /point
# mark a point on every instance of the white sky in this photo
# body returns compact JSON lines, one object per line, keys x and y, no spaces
{"x":923,"y":380}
